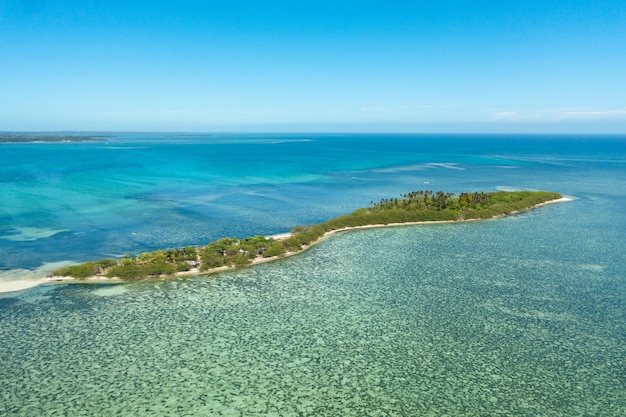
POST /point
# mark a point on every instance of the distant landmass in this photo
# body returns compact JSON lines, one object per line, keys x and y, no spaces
{"x":48,"y":137}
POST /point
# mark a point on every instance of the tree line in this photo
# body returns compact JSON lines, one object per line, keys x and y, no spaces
{"x":430,"y":200}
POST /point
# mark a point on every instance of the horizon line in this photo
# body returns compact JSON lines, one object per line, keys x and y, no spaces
{"x":322,"y":132}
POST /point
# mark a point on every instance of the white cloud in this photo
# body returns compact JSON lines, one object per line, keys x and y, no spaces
{"x":592,"y":114}
{"x":553,"y":115}
{"x":396,"y":108}
{"x":506,"y":115}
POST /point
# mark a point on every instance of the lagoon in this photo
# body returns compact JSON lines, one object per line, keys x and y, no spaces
{"x":518,"y":316}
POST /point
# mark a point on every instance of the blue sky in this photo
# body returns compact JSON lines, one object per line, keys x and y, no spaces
{"x":397,"y":66}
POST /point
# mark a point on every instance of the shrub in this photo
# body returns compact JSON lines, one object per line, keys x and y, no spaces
{"x":86,"y":269}
{"x":277,"y":249}
{"x":126,"y":272}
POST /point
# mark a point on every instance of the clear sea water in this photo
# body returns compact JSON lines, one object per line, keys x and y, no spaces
{"x":523,"y":316}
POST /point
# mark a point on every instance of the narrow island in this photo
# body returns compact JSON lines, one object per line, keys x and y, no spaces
{"x":39,"y":137}
{"x":416,"y":207}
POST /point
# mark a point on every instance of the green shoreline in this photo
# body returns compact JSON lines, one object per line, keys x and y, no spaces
{"x":418,"y":207}
{"x":42,"y":137}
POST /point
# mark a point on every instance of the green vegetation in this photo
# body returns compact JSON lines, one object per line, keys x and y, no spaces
{"x":416,"y":206}
{"x":87,"y":269}
{"x":160,"y":262}
{"x":47,"y":137}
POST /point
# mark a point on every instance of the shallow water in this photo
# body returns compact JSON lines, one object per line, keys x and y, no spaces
{"x":520,"y":316}
{"x":430,"y":320}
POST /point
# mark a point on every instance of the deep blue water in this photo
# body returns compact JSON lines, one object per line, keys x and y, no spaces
{"x":520,"y":316}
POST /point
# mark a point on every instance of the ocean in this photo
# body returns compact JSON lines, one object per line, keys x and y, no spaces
{"x":521,"y":316}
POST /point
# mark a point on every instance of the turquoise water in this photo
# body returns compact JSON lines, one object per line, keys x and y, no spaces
{"x":521,"y":316}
